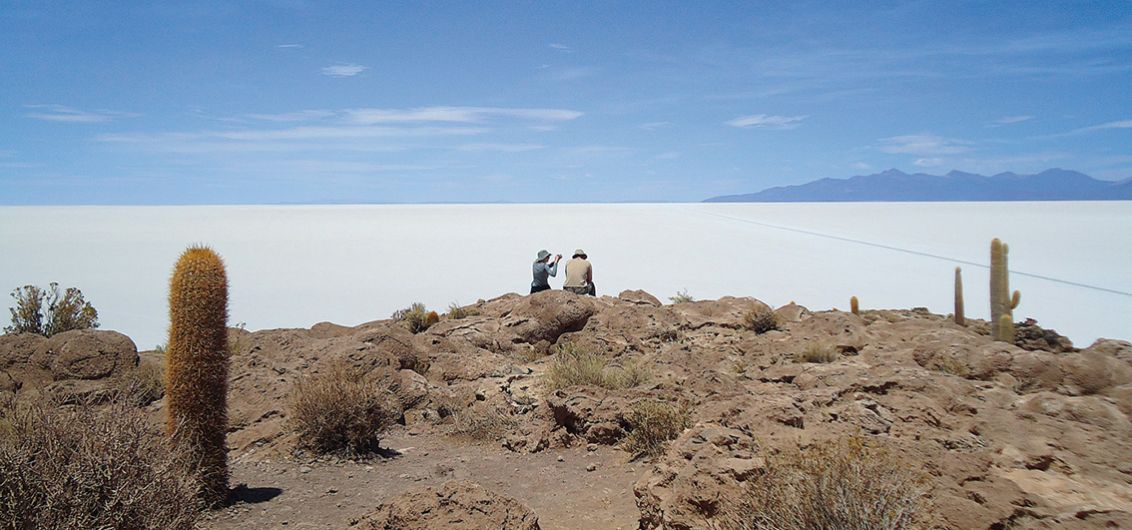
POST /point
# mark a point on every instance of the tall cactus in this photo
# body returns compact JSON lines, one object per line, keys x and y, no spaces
{"x":196,"y":376}
{"x":1001,"y":301}
{"x":960,"y":317}
{"x":854,"y":306}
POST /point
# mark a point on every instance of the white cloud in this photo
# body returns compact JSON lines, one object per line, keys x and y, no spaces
{"x":65,"y":114}
{"x":765,"y":121}
{"x":654,"y":125}
{"x":344,"y":70}
{"x":1121,"y":124}
{"x":860,"y":165}
{"x":668,"y":155}
{"x":571,"y":73}
{"x":457,"y":114}
{"x":925,"y":145}
{"x":928,"y":162}
{"x":288,"y":46}
{"x":1010,"y":120}
{"x":302,"y":115}
{"x":561,"y":47}
{"x":500,"y":147}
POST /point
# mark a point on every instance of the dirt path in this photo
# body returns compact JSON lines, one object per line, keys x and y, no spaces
{"x":328,"y":495}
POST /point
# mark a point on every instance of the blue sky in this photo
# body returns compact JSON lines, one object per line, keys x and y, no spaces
{"x":305,"y":102}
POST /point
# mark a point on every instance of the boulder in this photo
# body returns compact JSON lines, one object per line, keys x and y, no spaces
{"x":547,"y":315}
{"x":1121,"y":349}
{"x":87,"y":354}
{"x":1092,"y":372}
{"x":639,"y":297}
{"x":455,"y":504}
{"x":17,"y":348}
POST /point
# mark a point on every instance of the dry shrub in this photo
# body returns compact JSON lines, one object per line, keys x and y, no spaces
{"x":456,"y":312}
{"x":652,"y":424}
{"x":342,"y":410}
{"x":81,"y":467}
{"x":573,"y":366}
{"x":482,"y":424}
{"x":681,"y":297}
{"x":837,"y":485}
{"x":417,"y":317}
{"x":64,"y":311}
{"x":140,"y":386}
{"x":819,"y":352}
{"x":760,"y":320}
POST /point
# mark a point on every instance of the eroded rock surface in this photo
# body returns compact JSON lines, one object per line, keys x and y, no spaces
{"x":455,"y":504}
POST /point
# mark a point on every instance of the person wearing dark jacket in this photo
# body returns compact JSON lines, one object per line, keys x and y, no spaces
{"x":543,"y":269}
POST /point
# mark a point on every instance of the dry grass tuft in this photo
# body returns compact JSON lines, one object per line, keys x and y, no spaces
{"x":417,"y":317}
{"x":140,"y":386}
{"x":573,"y":366}
{"x":652,"y":424}
{"x":81,"y":467}
{"x":482,"y":424}
{"x":760,"y":320}
{"x":681,"y":297}
{"x":819,"y":352}
{"x":456,"y":312}
{"x":844,"y":484}
{"x":342,"y":410}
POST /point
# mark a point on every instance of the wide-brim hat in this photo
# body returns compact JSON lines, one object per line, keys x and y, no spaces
{"x":580,"y":252}
{"x":543,"y":254}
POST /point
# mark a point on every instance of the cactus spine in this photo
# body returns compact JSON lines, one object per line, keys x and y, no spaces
{"x":196,"y":374}
{"x":854,"y":306}
{"x":960,"y":318}
{"x":1002,"y":302}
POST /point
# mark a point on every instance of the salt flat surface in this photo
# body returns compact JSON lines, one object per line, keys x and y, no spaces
{"x":294,"y":266}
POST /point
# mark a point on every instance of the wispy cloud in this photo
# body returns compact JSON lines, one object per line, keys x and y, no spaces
{"x":668,"y":155}
{"x":65,"y":114}
{"x":344,"y":70}
{"x":288,"y":46}
{"x":860,"y":166}
{"x":302,"y":115}
{"x":499,"y":147}
{"x":457,"y":114}
{"x":1120,"y":124}
{"x":928,"y":162}
{"x":654,"y":125}
{"x":571,"y":73}
{"x":1010,"y":120}
{"x":561,"y":47}
{"x":766,"y":121}
{"x":924,"y":145}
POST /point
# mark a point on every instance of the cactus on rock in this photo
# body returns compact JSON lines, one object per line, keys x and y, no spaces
{"x":854,"y":306}
{"x":960,"y":318}
{"x":1001,"y":301}
{"x":196,"y":376}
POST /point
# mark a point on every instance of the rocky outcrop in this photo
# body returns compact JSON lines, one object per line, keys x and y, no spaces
{"x":455,"y":504}
{"x":74,"y":366}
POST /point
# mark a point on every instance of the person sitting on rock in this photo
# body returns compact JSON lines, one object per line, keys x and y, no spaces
{"x":580,"y":275}
{"x":543,"y":271}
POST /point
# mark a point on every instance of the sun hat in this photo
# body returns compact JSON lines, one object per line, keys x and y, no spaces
{"x":580,"y":252}
{"x":543,"y":254}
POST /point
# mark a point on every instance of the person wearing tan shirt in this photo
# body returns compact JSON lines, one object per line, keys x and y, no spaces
{"x":580,"y":275}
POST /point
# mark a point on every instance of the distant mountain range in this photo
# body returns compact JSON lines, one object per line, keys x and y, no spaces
{"x":895,"y":186}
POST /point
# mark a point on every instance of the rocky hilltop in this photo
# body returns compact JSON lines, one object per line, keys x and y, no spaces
{"x":1034,"y":434}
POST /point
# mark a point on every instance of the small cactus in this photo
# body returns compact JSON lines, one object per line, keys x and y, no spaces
{"x":1005,"y":328}
{"x":1002,"y":303}
{"x":431,"y":318}
{"x":960,"y":318}
{"x":854,"y":306}
{"x":196,"y":377}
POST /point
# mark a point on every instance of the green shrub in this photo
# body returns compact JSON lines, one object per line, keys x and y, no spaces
{"x":417,"y":317}
{"x":681,"y":297}
{"x":342,"y":410}
{"x":843,"y":484}
{"x":79,"y":467}
{"x":652,"y":424}
{"x":48,"y":312}
{"x":819,"y":352}
{"x":760,"y":320}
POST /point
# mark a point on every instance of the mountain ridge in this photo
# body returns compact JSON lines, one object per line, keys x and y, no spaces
{"x":893,"y":185}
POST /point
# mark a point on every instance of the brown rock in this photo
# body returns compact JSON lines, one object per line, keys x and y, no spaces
{"x":1121,"y":349}
{"x":17,"y":348}
{"x":455,"y":504}
{"x":1091,"y":372}
{"x":639,"y":297}
{"x":87,"y":354}
{"x":547,"y":315}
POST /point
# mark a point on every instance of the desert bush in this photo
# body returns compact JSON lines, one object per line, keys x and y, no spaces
{"x":456,"y":312}
{"x":140,"y":386}
{"x":681,"y":297}
{"x":818,"y":352}
{"x":760,"y":320}
{"x":342,"y":410}
{"x":85,"y":468}
{"x":417,"y":317}
{"x":64,"y":311}
{"x":837,"y":485}
{"x":482,"y":424}
{"x":652,"y":424}
{"x":631,"y":373}
{"x":574,"y":366}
